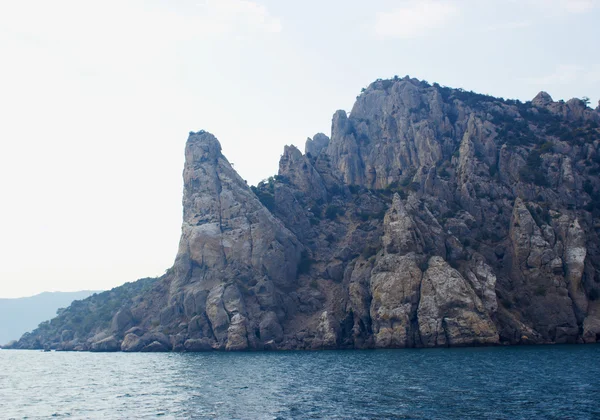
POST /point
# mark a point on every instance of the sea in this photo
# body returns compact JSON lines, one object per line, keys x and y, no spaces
{"x":549,"y":382}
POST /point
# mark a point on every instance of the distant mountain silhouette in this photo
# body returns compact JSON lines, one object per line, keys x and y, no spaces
{"x":18,"y":316}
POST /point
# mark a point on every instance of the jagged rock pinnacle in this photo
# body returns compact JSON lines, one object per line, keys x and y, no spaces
{"x":542,"y":99}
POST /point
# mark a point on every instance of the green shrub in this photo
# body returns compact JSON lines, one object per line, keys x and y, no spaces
{"x":304,"y":263}
{"x":380,"y":215}
{"x":265,"y":196}
{"x":331,"y":212}
{"x":282,"y":179}
{"x":546,"y":147}
{"x":335,"y":190}
{"x":533,"y":170}
{"x":354,"y":189}
{"x":317,"y":210}
{"x":588,"y":187}
{"x":363,"y":216}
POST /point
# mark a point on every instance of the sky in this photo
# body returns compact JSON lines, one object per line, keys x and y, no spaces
{"x":97,"y":100}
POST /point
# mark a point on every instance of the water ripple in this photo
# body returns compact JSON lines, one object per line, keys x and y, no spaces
{"x":491,"y":383}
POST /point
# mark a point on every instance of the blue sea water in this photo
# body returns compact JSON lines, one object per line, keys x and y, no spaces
{"x":559,"y":382}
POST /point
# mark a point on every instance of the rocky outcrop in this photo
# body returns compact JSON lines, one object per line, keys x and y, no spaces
{"x":450,"y":313}
{"x":106,"y":345}
{"x":395,"y":289}
{"x":542,"y":99}
{"x":431,"y":217}
{"x":314,"y":146}
{"x":225,"y":227}
{"x":421,"y":301}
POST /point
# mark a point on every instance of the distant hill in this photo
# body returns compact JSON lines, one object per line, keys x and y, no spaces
{"x":18,"y":316}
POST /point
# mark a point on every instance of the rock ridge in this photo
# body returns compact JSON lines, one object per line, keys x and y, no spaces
{"x":429,"y":217}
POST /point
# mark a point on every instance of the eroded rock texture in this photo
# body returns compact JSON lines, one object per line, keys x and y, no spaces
{"x":431,"y":217}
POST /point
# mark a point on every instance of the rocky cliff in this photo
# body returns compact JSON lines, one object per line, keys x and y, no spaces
{"x":431,"y":217}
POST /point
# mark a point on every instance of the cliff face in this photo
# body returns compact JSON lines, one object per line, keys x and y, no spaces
{"x":431,"y":217}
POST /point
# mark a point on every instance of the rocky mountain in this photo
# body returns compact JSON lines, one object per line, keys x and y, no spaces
{"x":17,"y":316}
{"x":431,"y":217}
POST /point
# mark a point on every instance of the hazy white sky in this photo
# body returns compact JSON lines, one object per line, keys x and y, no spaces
{"x":97,"y":99}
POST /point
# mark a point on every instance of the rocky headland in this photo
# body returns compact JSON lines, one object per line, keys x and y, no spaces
{"x":430,"y":217}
